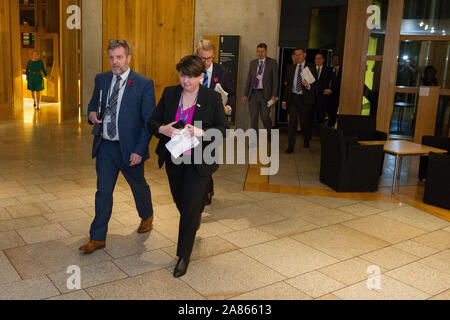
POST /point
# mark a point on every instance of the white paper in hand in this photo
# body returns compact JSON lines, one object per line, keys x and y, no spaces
{"x":308,"y":76}
{"x":223,"y":93}
{"x":181,"y":143}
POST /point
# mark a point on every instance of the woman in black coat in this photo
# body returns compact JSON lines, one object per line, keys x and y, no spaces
{"x":192,"y":104}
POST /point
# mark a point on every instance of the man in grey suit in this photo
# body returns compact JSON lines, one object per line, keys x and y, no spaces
{"x":261,"y":86}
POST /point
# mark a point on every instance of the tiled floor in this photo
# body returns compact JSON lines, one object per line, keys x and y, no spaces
{"x":250,"y":246}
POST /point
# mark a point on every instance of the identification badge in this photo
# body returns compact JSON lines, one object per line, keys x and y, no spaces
{"x":259,"y":76}
{"x":107,"y":119}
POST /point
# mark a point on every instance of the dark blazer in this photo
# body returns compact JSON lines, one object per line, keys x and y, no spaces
{"x":309,"y":95}
{"x":270,"y":78}
{"x":137,"y":106}
{"x":224,"y":77}
{"x":326,"y":79}
{"x":336,"y":84}
{"x":209,"y":110}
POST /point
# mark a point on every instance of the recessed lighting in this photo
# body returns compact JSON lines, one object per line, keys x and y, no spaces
{"x":426,"y":27}
{"x":405,"y":58}
{"x":421,"y":24}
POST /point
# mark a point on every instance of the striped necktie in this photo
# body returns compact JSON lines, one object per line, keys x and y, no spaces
{"x":299,"y":79}
{"x":205,"y":78}
{"x":111,"y":126}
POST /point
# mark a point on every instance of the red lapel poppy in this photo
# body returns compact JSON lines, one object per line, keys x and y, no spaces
{"x":216,"y":80}
{"x":130,"y":83}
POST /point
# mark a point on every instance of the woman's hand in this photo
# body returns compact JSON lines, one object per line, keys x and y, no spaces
{"x":194,"y":131}
{"x":168,"y":130}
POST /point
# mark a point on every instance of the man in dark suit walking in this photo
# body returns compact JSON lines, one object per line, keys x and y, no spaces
{"x":324,"y":86}
{"x":299,"y":99}
{"x":261,"y":87}
{"x":213,"y":75}
{"x":121,"y":143}
{"x":335,"y":91}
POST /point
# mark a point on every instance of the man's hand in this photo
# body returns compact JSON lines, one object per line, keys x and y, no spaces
{"x":244,"y":99}
{"x":135,"y":159}
{"x":327,"y":92}
{"x":93,"y":117}
{"x":274,"y":100}
{"x":284,"y":105}
{"x":227,"y":109}
{"x":305,"y":83}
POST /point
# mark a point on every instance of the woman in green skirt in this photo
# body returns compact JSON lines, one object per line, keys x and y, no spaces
{"x":35,"y":69}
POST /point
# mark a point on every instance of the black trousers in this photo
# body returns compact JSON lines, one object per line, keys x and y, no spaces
{"x":188,"y":189}
{"x":332,"y":112}
{"x":297,"y":108}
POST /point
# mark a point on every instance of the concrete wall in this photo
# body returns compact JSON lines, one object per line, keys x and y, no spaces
{"x":255,"y":20}
{"x":91,"y":29}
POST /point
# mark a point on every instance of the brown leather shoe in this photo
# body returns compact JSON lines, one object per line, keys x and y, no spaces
{"x":146,"y":225}
{"x":92,"y":245}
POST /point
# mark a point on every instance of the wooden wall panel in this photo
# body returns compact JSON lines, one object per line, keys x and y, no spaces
{"x":355,"y":55}
{"x":426,"y":114}
{"x":16,"y":62}
{"x":159,"y":34}
{"x":70,"y":56}
{"x":6,"y":89}
{"x":389,"y":68}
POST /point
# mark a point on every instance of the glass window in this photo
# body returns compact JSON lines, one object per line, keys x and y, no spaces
{"x":426,"y":17}
{"x":404,"y":113}
{"x":377,"y":36}
{"x":416,"y":57}
{"x":443,"y":117}
{"x":371,"y":88}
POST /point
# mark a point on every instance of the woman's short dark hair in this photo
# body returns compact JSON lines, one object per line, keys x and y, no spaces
{"x":191,"y":66}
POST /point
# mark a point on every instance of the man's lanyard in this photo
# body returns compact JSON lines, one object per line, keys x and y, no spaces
{"x":261,"y":67}
{"x":190,"y":109}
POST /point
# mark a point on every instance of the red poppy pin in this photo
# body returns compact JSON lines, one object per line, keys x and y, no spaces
{"x":130,"y":83}
{"x":216,"y":80}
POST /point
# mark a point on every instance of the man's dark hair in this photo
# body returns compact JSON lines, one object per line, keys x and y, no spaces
{"x":300,"y":48}
{"x":117,"y":43}
{"x":262,"y":45}
{"x":191,"y":66}
{"x":320,"y":53}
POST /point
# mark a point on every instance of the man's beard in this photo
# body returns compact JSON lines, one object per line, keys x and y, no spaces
{"x":120,"y":71}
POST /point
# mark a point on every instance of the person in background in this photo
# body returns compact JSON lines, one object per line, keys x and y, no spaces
{"x":213,"y":75}
{"x":429,"y":76}
{"x":299,"y":99}
{"x":261,"y":86}
{"x":336,"y":76}
{"x":190,"y":103}
{"x":35,"y":80}
{"x":323,"y":90}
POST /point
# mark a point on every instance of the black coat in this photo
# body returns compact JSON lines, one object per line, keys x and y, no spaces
{"x":209,"y":110}
{"x":224,"y":77}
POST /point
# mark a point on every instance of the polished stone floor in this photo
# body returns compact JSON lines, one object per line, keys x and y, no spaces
{"x":250,"y":245}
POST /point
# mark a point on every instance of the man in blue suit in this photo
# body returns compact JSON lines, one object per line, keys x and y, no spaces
{"x":127,"y":101}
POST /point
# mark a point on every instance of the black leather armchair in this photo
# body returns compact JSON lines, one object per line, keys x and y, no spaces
{"x":347,"y":166}
{"x":431,"y":141}
{"x":437,"y":186}
{"x":363,"y":127}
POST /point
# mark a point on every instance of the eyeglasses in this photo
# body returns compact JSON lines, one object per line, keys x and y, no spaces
{"x":207,"y":58}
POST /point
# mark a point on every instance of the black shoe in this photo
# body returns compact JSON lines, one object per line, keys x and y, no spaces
{"x":306,"y":144}
{"x":209,"y":198}
{"x":289,"y":150}
{"x":181,"y":267}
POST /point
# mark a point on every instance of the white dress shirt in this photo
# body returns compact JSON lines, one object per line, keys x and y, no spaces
{"x":124,"y":77}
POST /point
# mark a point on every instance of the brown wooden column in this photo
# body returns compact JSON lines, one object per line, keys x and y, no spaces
{"x":70,"y":56}
{"x":6,"y":88}
{"x":355,"y":56}
{"x":16,"y":55}
{"x":389,"y":68}
{"x":426,"y":112}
